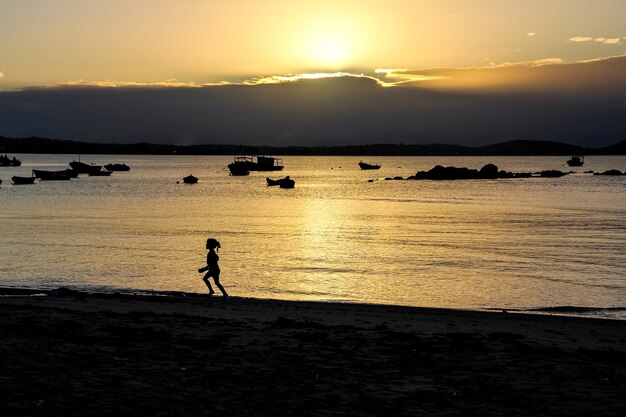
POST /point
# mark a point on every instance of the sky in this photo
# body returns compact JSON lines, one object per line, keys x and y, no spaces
{"x":278,"y":71}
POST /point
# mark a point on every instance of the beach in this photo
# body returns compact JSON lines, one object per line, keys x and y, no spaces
{"x":70,"y":353}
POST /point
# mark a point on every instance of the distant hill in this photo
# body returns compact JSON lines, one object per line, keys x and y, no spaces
{"x":516,"y":147}
{"x":617,"y":149}
{"x":530,"y":147}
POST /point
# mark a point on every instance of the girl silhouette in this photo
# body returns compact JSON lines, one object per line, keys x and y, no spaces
{"x":212,"y":267}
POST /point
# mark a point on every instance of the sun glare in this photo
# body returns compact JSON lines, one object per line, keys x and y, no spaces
{"x":327,"y":43}
{"x":329,"y":51}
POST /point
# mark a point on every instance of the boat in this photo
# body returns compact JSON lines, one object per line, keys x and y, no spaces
{"x":23,"y":180}
{"x":5,"y":161}
{"x":83,"y":168}
{"x":271,"y":182}
{"x":65,"y":174}
{"x":101,"y":173}
{"x":117,"y":167}
{"x":364,"y":165}
{"x":268,"y":163}
{"x":258,"y":163}
{"x":190,"y":179}
{"x":576,"y":161}
{"x":238,"y":170}
{"x":287,"y":183}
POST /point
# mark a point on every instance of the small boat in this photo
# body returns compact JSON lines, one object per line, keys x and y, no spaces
{"x":23,"y":180}
{"x":364,"y":165}
{"x":190,"y":179}
{"x":287,"y":183}
{"x":238,"y":170}
{"x":63,"y":175}
{"x":101,"y":173}
{"x":117,"y":167}
{"x":5,"y":161}
{"x":83,"y":168}
{"x":271,"y":182}
{"x":576,"y":161}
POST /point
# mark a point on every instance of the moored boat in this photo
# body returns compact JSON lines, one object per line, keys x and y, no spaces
{"x":117,"y":167}
{"x":23,"y":180}
{"x":576,"y":161}
{"x":366,"y":166}
{"x":190,"y":179}
{"x":65,"y":174}
{"x":257,"y":163}
{"x":83,"y":168}
{"x":238,"y":169}
{"x":5,"y":161}
{"x":287,"y":183}
{"x":271,"y":182}
{"x":268,"y":163}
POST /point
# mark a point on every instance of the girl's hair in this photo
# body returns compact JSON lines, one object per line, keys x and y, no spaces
{"x":213,"y":243}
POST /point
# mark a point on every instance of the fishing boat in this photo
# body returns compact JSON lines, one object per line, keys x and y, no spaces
{"x":83,"y":168}
{"x":190,"y":179}
{"x":287,"y":183}
{"x":65,"y":174}
{"x":23,"y":180}
{"x":5,"y":161}
{"x":366,"y":166}
{"x":238,"y":169}
{"x":271,"y":182}
{"x":258,"y":163}
{"x":576,"y":161}
{"x":117,"y":167}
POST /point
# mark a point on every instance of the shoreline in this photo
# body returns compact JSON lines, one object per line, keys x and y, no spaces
{"x":586,"y":312}
{"x":74,"y":353}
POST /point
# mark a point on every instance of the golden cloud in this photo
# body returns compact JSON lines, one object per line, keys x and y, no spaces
{"x":581,"y":39}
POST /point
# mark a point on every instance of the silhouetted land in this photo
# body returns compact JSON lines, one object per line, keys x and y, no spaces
{"x":516,"y":147}
{"x":78,"y":354}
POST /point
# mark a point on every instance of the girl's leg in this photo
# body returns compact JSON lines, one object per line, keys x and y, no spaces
{"x":216,"y":278}
{"x":208,"y":284}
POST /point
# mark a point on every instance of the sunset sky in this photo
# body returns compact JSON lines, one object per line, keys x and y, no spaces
{"x":209,"y":44}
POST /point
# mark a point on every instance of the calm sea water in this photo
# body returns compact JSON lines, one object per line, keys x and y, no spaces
{"x":522,"y":243}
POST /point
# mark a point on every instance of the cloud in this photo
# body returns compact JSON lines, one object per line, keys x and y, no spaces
{"x":548,"y":99}
{"x":290,"y":78}
{"x":531,"y":34}
{"x":462,"y":78}
{"x":581,"y":39}
{"x":261,"y":80}
{"x":122,"y":84}
{"x":601,"y":39}
{"x":611,"y":41}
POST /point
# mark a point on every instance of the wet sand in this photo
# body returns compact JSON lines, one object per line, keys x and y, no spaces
{"x":76,"y":354}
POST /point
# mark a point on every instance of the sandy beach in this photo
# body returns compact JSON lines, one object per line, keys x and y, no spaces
{"x":76,"y":354}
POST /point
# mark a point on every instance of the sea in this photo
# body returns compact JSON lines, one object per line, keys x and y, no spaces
{"x":541,"y":245}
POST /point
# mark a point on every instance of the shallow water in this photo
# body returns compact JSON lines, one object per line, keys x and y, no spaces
{"x":520,"y":243}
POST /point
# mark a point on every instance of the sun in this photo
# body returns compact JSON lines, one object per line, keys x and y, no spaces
{"x":329,"y":51}
{"x":326,"y":44}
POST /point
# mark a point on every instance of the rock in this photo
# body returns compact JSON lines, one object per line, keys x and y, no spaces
{"x":489,"y":171}
{"x":552,"y":173}
{"x":610,"y":172}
